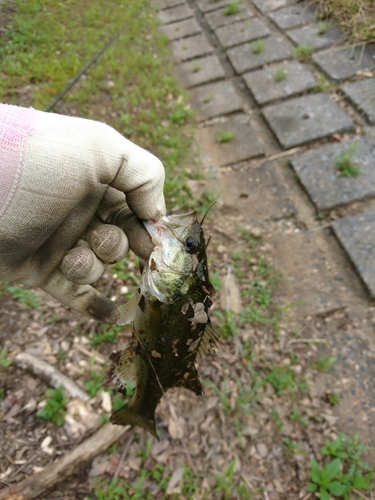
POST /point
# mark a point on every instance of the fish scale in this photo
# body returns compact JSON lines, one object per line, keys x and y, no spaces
{"x":170,"y":319}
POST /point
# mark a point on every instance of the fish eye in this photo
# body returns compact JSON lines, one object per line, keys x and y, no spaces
{"x":191,"y":244}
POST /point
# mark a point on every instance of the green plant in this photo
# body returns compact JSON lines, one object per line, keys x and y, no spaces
{"x":106,"y":333}
{"x":325,"y":481}
{"x":232,"y":8}
{"x":258,"y":46}
{"x":347,"y":448}
{"x":180,"y":115}
{"x":322,"y":84}
{"x":25,"y":296}
{"x":280,"y":74}
{"x":333,"y":398}
{"x":295,"y":416}
{"x":208,"y":99}
{"x":323,"y":27}
{"x":324,"y":364}
{"x":54,"y":409}
{"x":196,"y":67}
{"x":303,"y":51}
{"x":224,"y":136}
{"x":282,"y":378}
{"x":345,"y":162}
{"x":227,"y":324}
{"x":3,"y":358}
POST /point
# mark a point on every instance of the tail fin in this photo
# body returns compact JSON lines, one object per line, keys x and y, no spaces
{"x":126,"y":416}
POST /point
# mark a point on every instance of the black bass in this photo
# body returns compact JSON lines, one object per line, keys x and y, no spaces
{"x":170,"y":321}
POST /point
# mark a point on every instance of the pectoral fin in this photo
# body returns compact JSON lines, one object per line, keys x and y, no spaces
{"x":128,"y":312}
{"x":126,"y":416}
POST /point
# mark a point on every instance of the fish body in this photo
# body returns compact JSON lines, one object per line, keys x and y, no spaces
{"x":170,"y":321}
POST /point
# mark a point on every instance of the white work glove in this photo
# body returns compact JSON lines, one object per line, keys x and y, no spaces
{"x":63,"y":183}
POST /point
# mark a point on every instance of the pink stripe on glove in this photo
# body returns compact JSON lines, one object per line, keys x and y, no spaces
{"x":16,"y":124}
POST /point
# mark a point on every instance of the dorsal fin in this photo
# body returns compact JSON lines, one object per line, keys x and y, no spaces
{"x":128,"y":312}
{"x":208,"y":342}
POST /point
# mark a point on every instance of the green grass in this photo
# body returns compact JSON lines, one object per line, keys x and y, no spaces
{"x":4,"y":361}
{"x":224,"y":136}
{"x":323,"y":85}
{"x":232,"y":8}
{"x":26,"y":297}
{"x":130,"y":87}
{"x":346,"y":164}
{"x":258,"y":46}
{"x":280,"y":74}
{"x":55,"y":406}
{"x":303,"y":51}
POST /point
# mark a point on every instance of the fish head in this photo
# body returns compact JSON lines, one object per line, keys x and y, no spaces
{"x":169,"y":273}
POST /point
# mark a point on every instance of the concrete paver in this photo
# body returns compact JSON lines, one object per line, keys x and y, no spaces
{"x":321,"y":178}
{"x":343,"y":63}
{"x":181,"y":29}
{"x":198,"y":71}
{"x":299,"y":120}
{"x":256,"y":195}
{"x":167,"y":4}
{"x":293,"y":16}
{"x":268,"y":5}
{"x":265,"y":86}
{"x":310,"y":35}
{"x":218,"y":18}
{"x":246,"y":57}
{"x":215,"y":99}
{"x":208,"y":5}
{"x":362,"y":94}
{"x":175,"y":14}
{"x":242,"y":31}
{"x":243,"y":145}
{"x":356,"y":234}
{"x":191,"y":47}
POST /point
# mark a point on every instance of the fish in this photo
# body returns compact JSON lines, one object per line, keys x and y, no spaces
{"x":171,"y":326}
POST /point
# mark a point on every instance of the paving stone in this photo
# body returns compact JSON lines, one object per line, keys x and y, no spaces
{"x":294,"y":16}
{"x":215,"y":99}
{"x":309,"y":35}
{"x":175,"y":14}
{"x":268,"y":5}
{"x":255,"y":195}
{"x":344,"y":63}
{"x":265,"y":88}
{"x":244,"y":145}
{"x":242,"y":31}
{"x":304,"y":119}
{"x":357,"y":235}
{"x":243,"y":57}
{"x":204,"y":70}
{"x":209,"y":5}
{"x":191,"y":47}
{"x":219,"y":18}
{"x":362,"y":95}
{"x":181,"y":29}
{"x":167,"y":4}
{"x":310,"y":275}
{"x":327,"y":188}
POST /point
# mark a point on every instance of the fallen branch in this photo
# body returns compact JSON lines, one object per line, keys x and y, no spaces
{"x":38,"y":483}
{"x":49,"y":374}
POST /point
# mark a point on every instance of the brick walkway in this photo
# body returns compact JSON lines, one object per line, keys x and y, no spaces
{"x":290,"y":120}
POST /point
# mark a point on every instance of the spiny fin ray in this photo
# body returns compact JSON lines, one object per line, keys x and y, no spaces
{"x":128,"y":312}
{"x":208,"y":342}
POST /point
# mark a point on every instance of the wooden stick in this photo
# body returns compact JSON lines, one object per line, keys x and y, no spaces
{"x":49,"y":374}
{"x":36,"y":484}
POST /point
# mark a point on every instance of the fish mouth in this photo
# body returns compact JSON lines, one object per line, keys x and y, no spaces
{"x":169,"y":227}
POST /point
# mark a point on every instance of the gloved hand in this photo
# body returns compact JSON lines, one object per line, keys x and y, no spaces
{"x":64,"y":183}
